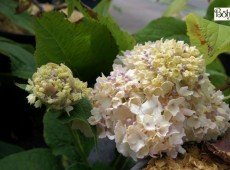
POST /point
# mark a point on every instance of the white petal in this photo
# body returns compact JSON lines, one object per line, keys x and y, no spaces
{"x":122,"y":113}
{"x":120,"y":132}
{"x":123,"y":148}
{"x":135,"y":109}
{"x":31,"y":98}
{"x":38,"y":104}
{"x":135,"y":138}
{"x":181,"y":150}
{"x":173,"y":105}
{"x":68,"y":109}
{"x":193,"y":123}
{"x":187,"y":112}
{"x":167,"y":87}
{"x":152,"y":107}
{"x":183,"y":91}
{"x":149,"y":122}
{"x":180,"y":117}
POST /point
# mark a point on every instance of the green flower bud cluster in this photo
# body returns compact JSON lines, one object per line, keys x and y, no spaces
{"x":55,"y":86}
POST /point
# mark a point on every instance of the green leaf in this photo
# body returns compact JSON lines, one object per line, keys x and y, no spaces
{"x":218,"y":76}
{"x":78,"y":117}
{"x":123,"y":39}
{"x":35,"y":159}
{"x":217,"y":73}
{"x":66,"y":141}
{"x":23,"y":20}
{"x":57,"y":136}
{"x":86,"y":143}
{"x":22,"y":61}
{"x":227,"y":96}
{"x":86,"y":47}
{"x":102,"y":7}
{"x":165,"y":27}
{"x":175,"y":7}
{"x":210,"y":38}
{"x":7,"y":149}
{"x":21,"y":86}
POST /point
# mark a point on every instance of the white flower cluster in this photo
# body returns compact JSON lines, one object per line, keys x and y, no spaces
{"x":157,"y":98}
{"x":55,"y":86}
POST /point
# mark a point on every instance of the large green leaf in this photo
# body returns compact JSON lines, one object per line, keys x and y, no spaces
{"x":165,"y":27}
{"x":79,"y":117}
{"x":101,"y":14}
{"x":22,"y":61}
{"x":175,"y":7}
{"x":210,"y":38}
{"x":64,"y":139}
{"x":102,"y":7}
{"x":123,"y":39}
{"x":86,"y":47}
{"x":35,"y":159}
{"x":24,"y":20}
{"x":7,"y":149}
{"x":57,"y":136}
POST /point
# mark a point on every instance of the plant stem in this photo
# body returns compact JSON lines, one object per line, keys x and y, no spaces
{"x":78,"y":145}
{"x":117,"y":161}
{"x":125,"y":163}
{"x":81,"y":8}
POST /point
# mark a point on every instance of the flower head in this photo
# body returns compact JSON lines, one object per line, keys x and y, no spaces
{"x":55,"y":86}
{"x":157,"y":98}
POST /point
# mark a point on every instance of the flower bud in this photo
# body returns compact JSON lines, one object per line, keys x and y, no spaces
{"x":55,"y":86}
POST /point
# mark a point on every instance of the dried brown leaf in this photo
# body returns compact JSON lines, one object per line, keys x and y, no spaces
{"x":221,"y":147}
{"x":195,"y":159}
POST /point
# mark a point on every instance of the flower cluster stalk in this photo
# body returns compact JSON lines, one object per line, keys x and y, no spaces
{"x":77,"y":143}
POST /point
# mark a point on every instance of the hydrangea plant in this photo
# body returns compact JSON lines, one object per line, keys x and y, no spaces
{"x":158,"y":97}
{"x":150,"y":93}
